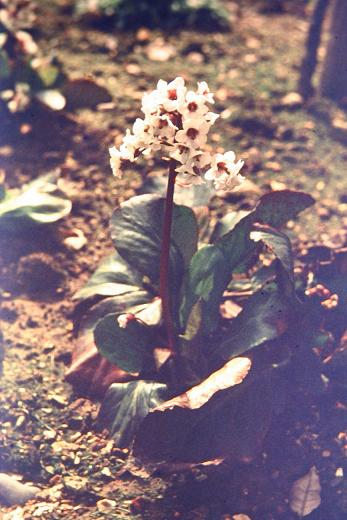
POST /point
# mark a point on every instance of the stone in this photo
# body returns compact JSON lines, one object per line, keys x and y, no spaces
{"x":292,"y":100}
{"x":13,"y":492}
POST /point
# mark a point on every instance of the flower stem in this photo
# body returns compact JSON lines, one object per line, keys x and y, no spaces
{"x":164,"y":291}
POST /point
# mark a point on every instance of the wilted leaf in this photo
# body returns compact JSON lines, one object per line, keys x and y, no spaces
{"x":126,"y":405}
{"x":136,"y":230}
{"x":89,"y":372}
{"x":129,"y":348}
{"x":39,"y":202}
{"x":305,"y":493}
{"x":231,"y":374}
{"x":52,"y":98}
{"x":113,"y":277}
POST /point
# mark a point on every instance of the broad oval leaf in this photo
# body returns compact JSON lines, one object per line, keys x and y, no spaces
{"x":273,"y":209}
{"x":89,"y":372}
{"x":126,"y":405}
{"x":265,"y":316}
{"x":136,"y":230}
{"x":305,"y":493}
{"x":227,"y":224}
{"x":39,"y":202}
{"x":129,"y":348}
{"x":206,"y":280}
{"x":232,"y":423}
{"x":235,"y":248}
{"x":113,"y":277}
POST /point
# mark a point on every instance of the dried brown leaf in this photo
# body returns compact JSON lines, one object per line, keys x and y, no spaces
{"x":231,"y":374}
{"x":305,"y":493}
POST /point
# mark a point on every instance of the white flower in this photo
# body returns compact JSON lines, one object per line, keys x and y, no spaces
{"x":224,"y":171}
{"x":203,"y":90}
{"x":211,"y":117}
{"x":115,"y":161}
{"x":177,"y":122}
{"x":171,"y":95}
{"x":150,"y":103}
{"x":182,"y":153}
{"x":166,"y":129}
{"x":228,"y":182}
{"x":194,"y":106}
{"x":190,"y":170}
{"x":194,"y":133}
{"x":189,"y":179}
{"x":202,"y":159}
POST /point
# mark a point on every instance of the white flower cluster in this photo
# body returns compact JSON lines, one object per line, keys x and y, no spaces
{"x":178,"y":121}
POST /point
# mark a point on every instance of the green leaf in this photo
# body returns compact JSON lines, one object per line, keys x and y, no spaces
{"x":227,"y":224}
{"x":207,"y":278}
{"x":39,"y":202}
{"x":273,"y":209}
{"x":264,"y":317}
{"x":194,"y":322}
{"x":232,"y":250}
{"x":136,"y":229}
{"x":5,"y":70}
{"x":277,"y":242}
{"x":48,"y":74}
{"x":129,"y":348}
{"x":115,"y":305}
{"x":126,"y":405}
{"x":113,"y":277}
{"x":232,"y":423}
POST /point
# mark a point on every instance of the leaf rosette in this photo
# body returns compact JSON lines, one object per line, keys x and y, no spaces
{"x":190,"y":396}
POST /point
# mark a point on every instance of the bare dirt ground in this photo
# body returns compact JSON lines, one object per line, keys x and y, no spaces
{"x":47,"y":431}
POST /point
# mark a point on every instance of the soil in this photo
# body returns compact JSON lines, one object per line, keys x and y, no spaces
{"x":47,"y":431}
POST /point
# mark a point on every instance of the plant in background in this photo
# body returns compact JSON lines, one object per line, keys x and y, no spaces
{"x":203,"y":14}
{"x":24,"y":72}
{"x":190,"y":384}
{"x":37,"y":203}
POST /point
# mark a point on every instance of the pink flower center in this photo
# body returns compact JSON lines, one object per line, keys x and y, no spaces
{"x":192,"y":133}
{"x":222,"y":166}
{"x":175,"y":118}
{"x":192,"y":106}
{"x":172,"y":94}
{"x":163,"y":123}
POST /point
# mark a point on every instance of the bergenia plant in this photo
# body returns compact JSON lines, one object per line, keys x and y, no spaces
{"x":189,"y":382}
{"x":176,"y":124}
